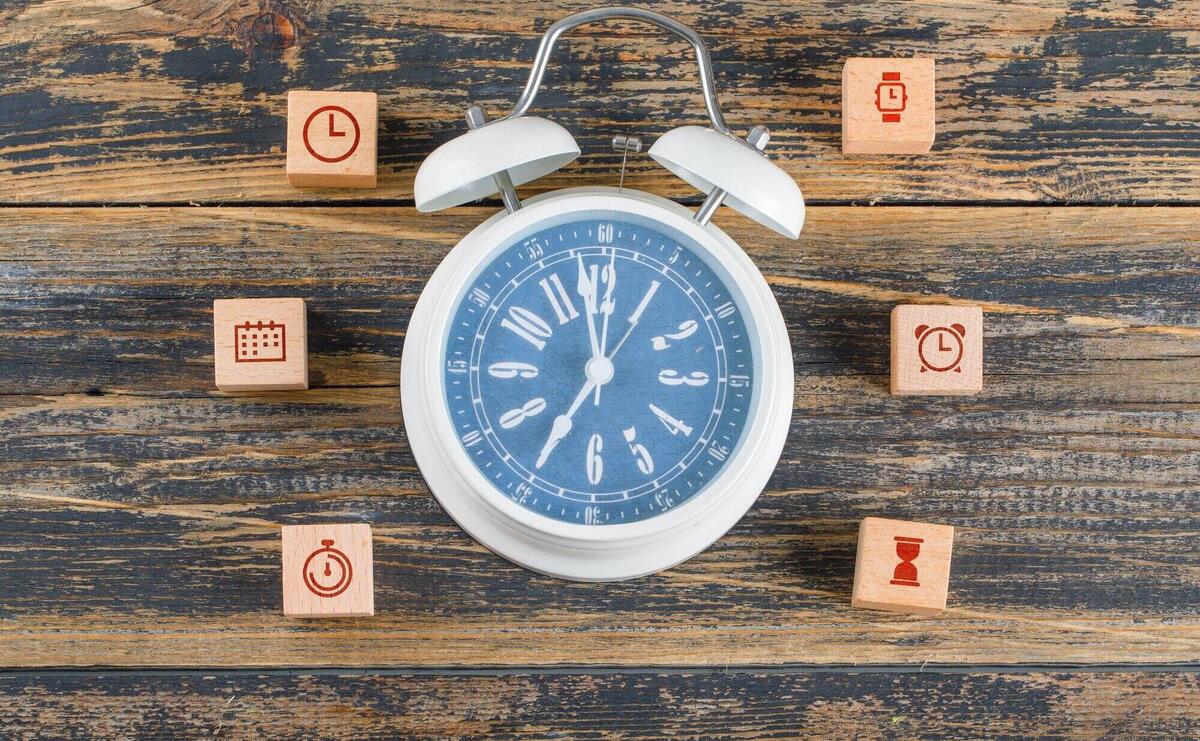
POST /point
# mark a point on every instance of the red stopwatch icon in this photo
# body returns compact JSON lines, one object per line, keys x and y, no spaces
{"x":330,"y":577}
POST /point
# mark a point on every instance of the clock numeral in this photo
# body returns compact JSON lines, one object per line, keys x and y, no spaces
{"x":604,"y":234}
{"x":591,"y":515}
{"x":472,"y":438}
{"x":559,"y":300}
{"x":595,"y":464}
{"x":718,"y":452}
{"x":675,"y":256}
{"x":523,"y":492}
{"x":533,"y":249}
{"x":527,"y":325}
{"x":670,"y":377}
{"x":456,"y":366}
{"x":480,"y":297}
{"x":645,"y":463}
{"x":685,"y":330}
{"x":674,"y":426}
{"x":739,"y":382}
{"x":514,"y":417}
{"x":725,"y":310}
{"x":512,"y":369}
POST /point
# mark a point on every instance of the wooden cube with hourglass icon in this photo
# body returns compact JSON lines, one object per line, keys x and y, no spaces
{"x":327,"y":571}
{"x":902,"y":566}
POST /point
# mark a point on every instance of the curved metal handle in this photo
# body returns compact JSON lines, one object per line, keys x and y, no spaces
{"x":558,"y":28}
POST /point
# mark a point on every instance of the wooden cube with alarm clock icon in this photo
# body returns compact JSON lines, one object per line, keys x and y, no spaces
{"x":937,"y":349}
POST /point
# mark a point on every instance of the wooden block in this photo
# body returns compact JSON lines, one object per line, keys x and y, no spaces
{"x":902,"y":566}
{"x":260,"y":344}
{"x":887,"y":106}
{"x":327,"y":571}
{"x":937,"y":349}
{"x":331,"y":140}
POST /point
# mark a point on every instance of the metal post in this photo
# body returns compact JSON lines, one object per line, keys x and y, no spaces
{"x":508,"y":191}
{"x":757,"y":138}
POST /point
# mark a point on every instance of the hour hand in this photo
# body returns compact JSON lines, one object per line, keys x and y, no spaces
{"x":560,"y":429}
{"x":562,"y":424}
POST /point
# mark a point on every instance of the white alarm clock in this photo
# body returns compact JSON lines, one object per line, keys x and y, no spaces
{"x":597,"y":382}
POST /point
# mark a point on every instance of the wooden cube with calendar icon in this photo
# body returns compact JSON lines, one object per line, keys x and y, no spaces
{"x":888,"y":106}
{"x":332,"y":139}
{"x":902,"y":566}
{"x":260,"y":344}
{"x":937,"y":349}
{"x":328,"y":571}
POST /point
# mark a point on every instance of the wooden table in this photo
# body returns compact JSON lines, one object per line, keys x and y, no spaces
{"x":141,"y":176}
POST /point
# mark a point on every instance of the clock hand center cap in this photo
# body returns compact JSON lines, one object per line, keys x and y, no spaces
{"x":599,"y":370}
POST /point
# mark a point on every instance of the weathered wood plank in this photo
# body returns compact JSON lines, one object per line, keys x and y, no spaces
{"x":581,"y":706}
{"x":140,"y":508}
{"x":174,"y":101}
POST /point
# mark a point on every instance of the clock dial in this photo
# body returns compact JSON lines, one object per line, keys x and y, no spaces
{"x":598,"y":372}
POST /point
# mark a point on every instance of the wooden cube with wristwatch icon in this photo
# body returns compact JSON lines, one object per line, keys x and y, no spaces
{"x":888,"y":106}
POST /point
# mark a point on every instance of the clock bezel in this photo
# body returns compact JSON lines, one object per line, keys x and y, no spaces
{"x":570,"y":550}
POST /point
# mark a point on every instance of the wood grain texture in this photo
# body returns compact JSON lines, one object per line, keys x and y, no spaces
{"x":140,"y":508}
{"x":179,"y":101}
{"x":615,"y":706}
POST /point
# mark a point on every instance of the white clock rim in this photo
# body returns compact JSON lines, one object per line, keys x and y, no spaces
{"x":576,"y":551}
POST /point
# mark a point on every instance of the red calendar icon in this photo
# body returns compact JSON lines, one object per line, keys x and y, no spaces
{"x":260,"y":342}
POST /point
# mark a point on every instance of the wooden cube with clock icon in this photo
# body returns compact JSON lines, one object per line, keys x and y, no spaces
{"x":937,"y":349}
{"x":887,"y":106}
{"x":332,"y":139}
{"x":328,"y":571}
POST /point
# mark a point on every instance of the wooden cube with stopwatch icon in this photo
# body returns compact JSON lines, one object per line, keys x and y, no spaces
{"x":331,"y":139}
{"x":327,"y":571}
{"x":937,"y":349}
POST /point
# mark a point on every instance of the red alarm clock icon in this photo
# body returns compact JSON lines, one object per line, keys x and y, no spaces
{"x":940,"y":348}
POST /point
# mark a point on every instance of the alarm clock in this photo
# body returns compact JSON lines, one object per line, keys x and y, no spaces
{"x":940,"y":348}
{"x":597,"y":382}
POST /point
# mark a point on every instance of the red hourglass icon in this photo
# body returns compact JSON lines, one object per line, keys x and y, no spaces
{"x":324,"y":585}
{"x":907,"y":549}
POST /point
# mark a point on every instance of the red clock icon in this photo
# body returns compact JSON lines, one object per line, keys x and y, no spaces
{"x":331,"y":576}
{"x":891,"y":97}
{"x":327,"y":133}
{"x":940,"y":348}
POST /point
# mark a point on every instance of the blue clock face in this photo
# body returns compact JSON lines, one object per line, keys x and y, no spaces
{"x":599,"y":372}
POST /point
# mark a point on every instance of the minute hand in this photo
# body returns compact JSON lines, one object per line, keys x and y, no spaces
{"x":635,"y":317}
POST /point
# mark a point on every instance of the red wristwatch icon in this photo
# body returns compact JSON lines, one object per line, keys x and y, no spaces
{"x":891,"y":97}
